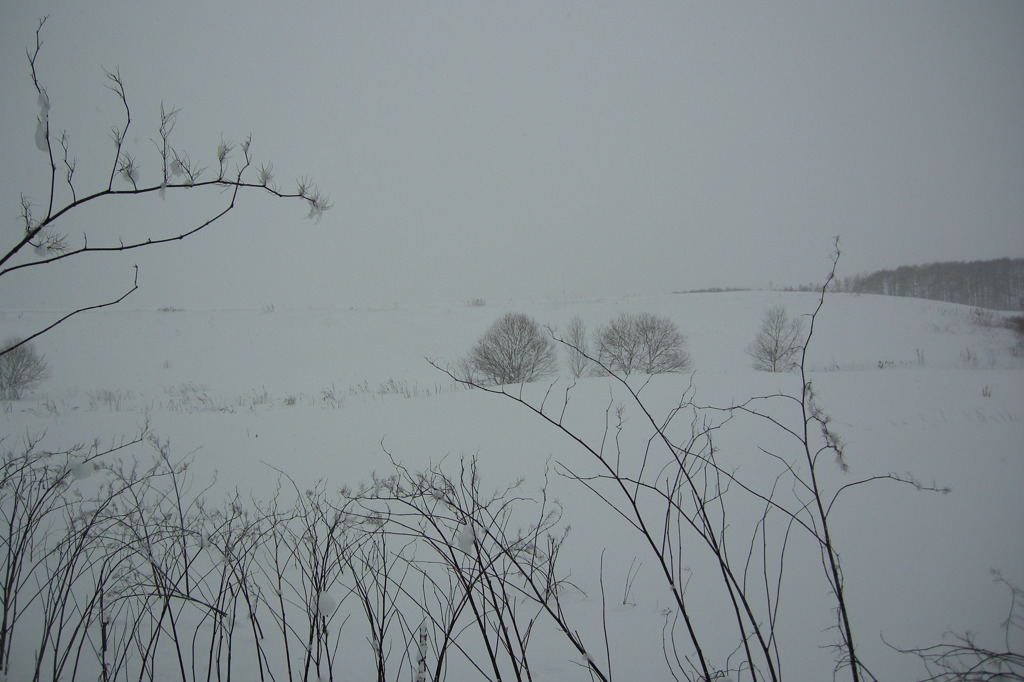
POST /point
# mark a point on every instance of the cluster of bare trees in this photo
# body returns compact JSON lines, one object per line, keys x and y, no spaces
{"x":640,"y":343}
{"x":691,"y":504}
{"x":516,"y":349}
{"x":997,"y":284}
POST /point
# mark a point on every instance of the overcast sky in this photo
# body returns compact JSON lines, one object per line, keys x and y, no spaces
{"x":524,"y":150}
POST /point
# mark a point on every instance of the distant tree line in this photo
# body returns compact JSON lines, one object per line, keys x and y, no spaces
{"x":996,"y":284}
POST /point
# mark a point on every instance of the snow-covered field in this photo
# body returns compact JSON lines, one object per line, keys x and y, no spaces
{"x":914,"y":388}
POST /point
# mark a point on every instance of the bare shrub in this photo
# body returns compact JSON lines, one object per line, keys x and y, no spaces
{"x":643,"y":343}
{"x":22,"y":368}
{"x":514,"y":350}
{"x":778,"y":343}
{"x":966,"y":659}
{"x":490,"y":571}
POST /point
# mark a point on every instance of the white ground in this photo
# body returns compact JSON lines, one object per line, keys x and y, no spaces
{"x":913,"y":387}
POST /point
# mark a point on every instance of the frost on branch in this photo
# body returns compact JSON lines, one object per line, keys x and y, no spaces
{"x":223,"y":152}
{"x":174,"y":171}
{"x":44,"y":242}
{"x":129,"y":170}
{"x":318,"y":202}
{"x":317,"y":205}
{"x":266,"y":174}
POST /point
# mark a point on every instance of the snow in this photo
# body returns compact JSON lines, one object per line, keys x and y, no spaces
{"x":81,"y":470}
{"x":43,"y":122}
{"x":466,"y":537}
{"x":326,"y":604}
{"x":41,"y":143}
{"x":320,"y":394}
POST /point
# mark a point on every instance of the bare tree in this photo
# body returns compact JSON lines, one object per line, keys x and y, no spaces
{"x":643,"y":343}
{"x":577,"y":346}
{"x":778,"y":343}
{"x":514,"y":350}
{"x":21,"y":368}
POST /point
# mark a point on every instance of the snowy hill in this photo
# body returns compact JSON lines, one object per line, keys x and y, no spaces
{"x":913,"y":387}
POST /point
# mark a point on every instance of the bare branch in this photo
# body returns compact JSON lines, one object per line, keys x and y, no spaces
{"x":135,"y":285}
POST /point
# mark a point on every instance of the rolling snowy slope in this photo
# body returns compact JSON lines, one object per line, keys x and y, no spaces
{"x":914,"y":387}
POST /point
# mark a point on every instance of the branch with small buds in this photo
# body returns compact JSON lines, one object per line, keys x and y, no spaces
{"x":40,"y":243}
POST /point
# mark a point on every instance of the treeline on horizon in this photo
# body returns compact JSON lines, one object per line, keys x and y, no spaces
{"x":995,"y":284}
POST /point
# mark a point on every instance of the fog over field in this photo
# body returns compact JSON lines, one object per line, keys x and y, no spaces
{"x":430,"y":341}
{"x":247,"y":396}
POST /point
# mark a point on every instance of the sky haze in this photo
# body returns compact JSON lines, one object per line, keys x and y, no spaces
{"x":528,"y":150}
